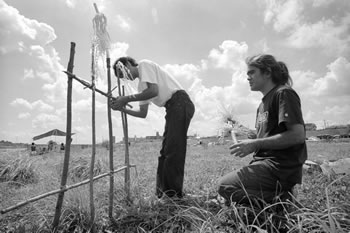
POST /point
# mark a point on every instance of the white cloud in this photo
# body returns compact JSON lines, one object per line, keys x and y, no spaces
{"x":283,"y":14}
{"x":303,"y":81}
{"x":24,"y":115}
{"x":336,"y":83}
{"x":85,"y":105}
{"x":48,"y":68}
{"x":21,"y":102}
{"x":38,"y":105}
{"x":325,"y":97}
{"x":334,"y":39}
{"x":230,"y":55}
{"x":329,"y":34}
{"x":119,"y":49}
{"x":186,"y":74}
{"x":122,"y":22}
{"x":14,"y":26}
{"x":28,"y":74}
{"x":45,"y":121}
{"x":322,"y":3}
{"x":31,"y":38}
{"x":42,"y":106}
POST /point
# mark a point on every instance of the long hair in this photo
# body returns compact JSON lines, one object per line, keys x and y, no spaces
{"x":124,"y":60}
{"x":268,"y":64}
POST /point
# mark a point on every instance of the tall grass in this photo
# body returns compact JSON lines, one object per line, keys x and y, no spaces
{"x":18,"y":170}
{"x":321,"y":204}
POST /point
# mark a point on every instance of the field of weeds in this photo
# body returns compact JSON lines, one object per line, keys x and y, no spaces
{"x":322,"y":203}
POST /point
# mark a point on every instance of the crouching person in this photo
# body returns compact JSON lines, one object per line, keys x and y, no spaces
{"x":279,"y":150}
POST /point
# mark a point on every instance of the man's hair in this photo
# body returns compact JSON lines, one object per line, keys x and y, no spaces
{"x":268,"y":64}
{"x":124,"y":60}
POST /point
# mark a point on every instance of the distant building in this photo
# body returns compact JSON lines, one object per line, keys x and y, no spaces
{"x":331,"y":132}
{"x":310,"y":126}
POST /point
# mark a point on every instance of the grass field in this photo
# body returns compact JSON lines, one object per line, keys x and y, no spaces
{"x":322,"y":202}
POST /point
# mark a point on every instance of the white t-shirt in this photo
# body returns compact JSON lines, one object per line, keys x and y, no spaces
{"x":151,"y":72}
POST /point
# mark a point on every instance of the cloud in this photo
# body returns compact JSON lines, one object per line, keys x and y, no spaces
{"x":122,"y":22}
{"x":38,"y":105}
{"x":119,"y":49}
{"x":325,"y":97}
{"x":46,"y":121}
{"x":329,"y":34}
{"x":31,"y":39}
{"x":322,"y":3}
{"x":28,"y":74}
{"x":326,"y":34}
{"x":283,"y":14}
{"x":186,"y":74}
{"x":84,"y":105}
{"x":16,"y":30}
{"x":230,"y":55}
{"x":336,"y":82}
{"x":21,"y":102}
{"x":24,"y":115}
{"x":46,"y":66}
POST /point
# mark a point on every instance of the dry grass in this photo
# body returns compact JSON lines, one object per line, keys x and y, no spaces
{"x":18,"y":170}
{"x":322,"y":204}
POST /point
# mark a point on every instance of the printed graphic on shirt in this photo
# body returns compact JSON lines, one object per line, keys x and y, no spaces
{"x":262,"y":117}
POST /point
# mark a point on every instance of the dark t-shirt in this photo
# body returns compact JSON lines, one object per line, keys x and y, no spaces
{"x":281,"y":105}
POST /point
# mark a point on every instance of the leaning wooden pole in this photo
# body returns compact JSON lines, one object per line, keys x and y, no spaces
{"x":66,"y":188}
{"x":127,"y":160}
{"x":126,"y":143}
{"x":93,"y":153}
{"x":68,"y":140}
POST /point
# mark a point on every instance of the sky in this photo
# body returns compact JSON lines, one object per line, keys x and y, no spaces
{"x":202,"y":43}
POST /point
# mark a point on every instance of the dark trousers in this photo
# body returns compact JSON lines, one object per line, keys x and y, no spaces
{"x":255,"y":182}
{"x":171,"y":163}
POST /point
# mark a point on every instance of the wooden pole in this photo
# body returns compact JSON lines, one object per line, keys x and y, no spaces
{"x":68,"y":139}
{"x":61,"y":190}
{"x":110,"y":131}
{"x":89,"y":85}
{"x":93,"y":153}
{"x":127,"y":161}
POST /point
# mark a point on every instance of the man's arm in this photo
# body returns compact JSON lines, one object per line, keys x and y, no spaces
{"x":150,"y":92}
{"x":120,"y":102}
{"x":141,"y":113}
{"x":294,"y":135}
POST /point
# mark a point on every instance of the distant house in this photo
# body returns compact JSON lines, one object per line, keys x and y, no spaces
{"x":330,"y":133}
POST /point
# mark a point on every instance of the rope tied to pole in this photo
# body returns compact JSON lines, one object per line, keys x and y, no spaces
{"x":101,"y":36}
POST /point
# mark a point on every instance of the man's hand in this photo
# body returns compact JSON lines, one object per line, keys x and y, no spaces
{"x":244,"y":148}
{"x":119,"y":102}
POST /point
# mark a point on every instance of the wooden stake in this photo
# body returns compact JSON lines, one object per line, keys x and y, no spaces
{"x":68,"y":139}
{"x":89,"y":85}
{"x":127,"y":161}
{"x":61,"y":190}
{"x":93,"y":153}
{"x":110,"y":131}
